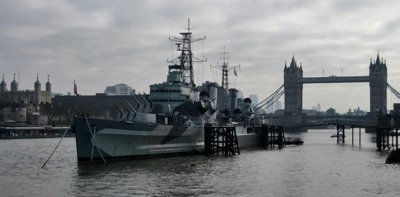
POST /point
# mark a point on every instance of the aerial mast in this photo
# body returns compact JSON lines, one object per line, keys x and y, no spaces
{"x":225,"y":68}
{"x":186,"y":58}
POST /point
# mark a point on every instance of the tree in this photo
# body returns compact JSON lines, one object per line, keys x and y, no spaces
{"x":331,"y":112}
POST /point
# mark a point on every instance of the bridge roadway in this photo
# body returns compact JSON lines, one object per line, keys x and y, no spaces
{"x":335,"y":79}
{"x":349,"y":117}
{"x":343,"y":122}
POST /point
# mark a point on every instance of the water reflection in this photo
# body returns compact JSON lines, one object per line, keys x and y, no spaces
{"x":187,"y":175}
{"x":320,"y":167}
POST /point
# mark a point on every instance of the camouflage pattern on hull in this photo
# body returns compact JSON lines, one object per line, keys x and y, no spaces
{"x":121,"y":140}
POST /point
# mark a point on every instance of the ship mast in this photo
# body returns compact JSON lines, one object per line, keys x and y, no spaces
{"x":186,"y":58}
{"x":225,"y":68}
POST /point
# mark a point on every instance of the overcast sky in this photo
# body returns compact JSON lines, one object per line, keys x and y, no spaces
{"x":101,"y":43}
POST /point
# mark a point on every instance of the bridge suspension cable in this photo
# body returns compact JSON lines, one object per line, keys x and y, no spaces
{"x":271,"y":99}
{"x":394,"y":91}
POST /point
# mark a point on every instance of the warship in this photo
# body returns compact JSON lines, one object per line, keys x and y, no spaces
{"x":171,"y":119}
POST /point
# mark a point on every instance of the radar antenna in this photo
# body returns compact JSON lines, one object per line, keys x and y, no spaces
{"x":184,"y":62}
{"x":225,"y":68}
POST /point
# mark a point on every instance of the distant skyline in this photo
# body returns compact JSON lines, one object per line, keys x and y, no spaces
{"x":100,"y":43}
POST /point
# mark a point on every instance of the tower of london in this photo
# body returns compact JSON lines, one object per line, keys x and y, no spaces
{"x":14,"y":96}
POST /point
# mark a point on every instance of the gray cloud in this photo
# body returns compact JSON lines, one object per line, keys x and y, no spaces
{"x":100,"y":43}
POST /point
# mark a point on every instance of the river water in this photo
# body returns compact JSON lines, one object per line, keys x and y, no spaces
{"x":320,"y":167}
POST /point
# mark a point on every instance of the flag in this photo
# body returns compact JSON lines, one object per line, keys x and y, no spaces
{"x":75,"y":89}
{"x":234,"y":72}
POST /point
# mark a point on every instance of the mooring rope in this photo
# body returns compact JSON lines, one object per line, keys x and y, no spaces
{"x":94,"y":142}
{"x":58,"y":144}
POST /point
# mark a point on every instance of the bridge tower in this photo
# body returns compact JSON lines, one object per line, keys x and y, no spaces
{"x":378,"y":85}
{"x":293,"y":92}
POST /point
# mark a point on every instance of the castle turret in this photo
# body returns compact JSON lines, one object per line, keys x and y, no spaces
{"x":48,"y":84}
{"x":37,"y":84}
{"x":3,"y":90}
{"x":14,"y":85}
{"x":48,"y":90}
{"x":3,"y":86}
{"x":37,"y":90}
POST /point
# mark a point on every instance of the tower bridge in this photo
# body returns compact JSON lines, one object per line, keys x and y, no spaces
{"x":386,"y":126}
{"x":292,"y":89}
{"x":294,"y":81}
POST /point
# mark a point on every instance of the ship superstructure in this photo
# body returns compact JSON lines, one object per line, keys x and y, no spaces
{"x":180,"y":86}
{"x":170,"y":122}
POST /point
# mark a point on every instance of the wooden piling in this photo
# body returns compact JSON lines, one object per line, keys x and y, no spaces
{"x":220,"y":140}
{"x":352,"y":135}
{"x":340,"y":133}
{"x":392,"y":136}
{"x":379,"y":139}
{"x":388,"y":138}
{"x":271,"y":136}
{"x":383,"y":139}
{"x":397,"y":138}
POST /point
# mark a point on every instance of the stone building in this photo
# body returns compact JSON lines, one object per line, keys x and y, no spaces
{"x":119,"y":89}
{"x":378,"y":86}
{"x":17,"y":105}
{"x":99,"y":106}
{"x":293,"y":92}
{"x":16,"y":96}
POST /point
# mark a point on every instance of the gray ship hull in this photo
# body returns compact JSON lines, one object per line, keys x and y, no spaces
{"x":119,"y":140}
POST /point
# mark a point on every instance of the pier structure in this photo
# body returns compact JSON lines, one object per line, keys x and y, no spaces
{"x":271,"y":136}
{"x":220,"y":139}
{"x":340,"y":134}
{"x":24,"y":132}
{"x":223,"y":139}
{"x":387,"y":131}
{"x":387,"y":139}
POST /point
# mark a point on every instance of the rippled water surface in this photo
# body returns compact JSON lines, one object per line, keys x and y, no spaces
{"x":320,"y":167}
